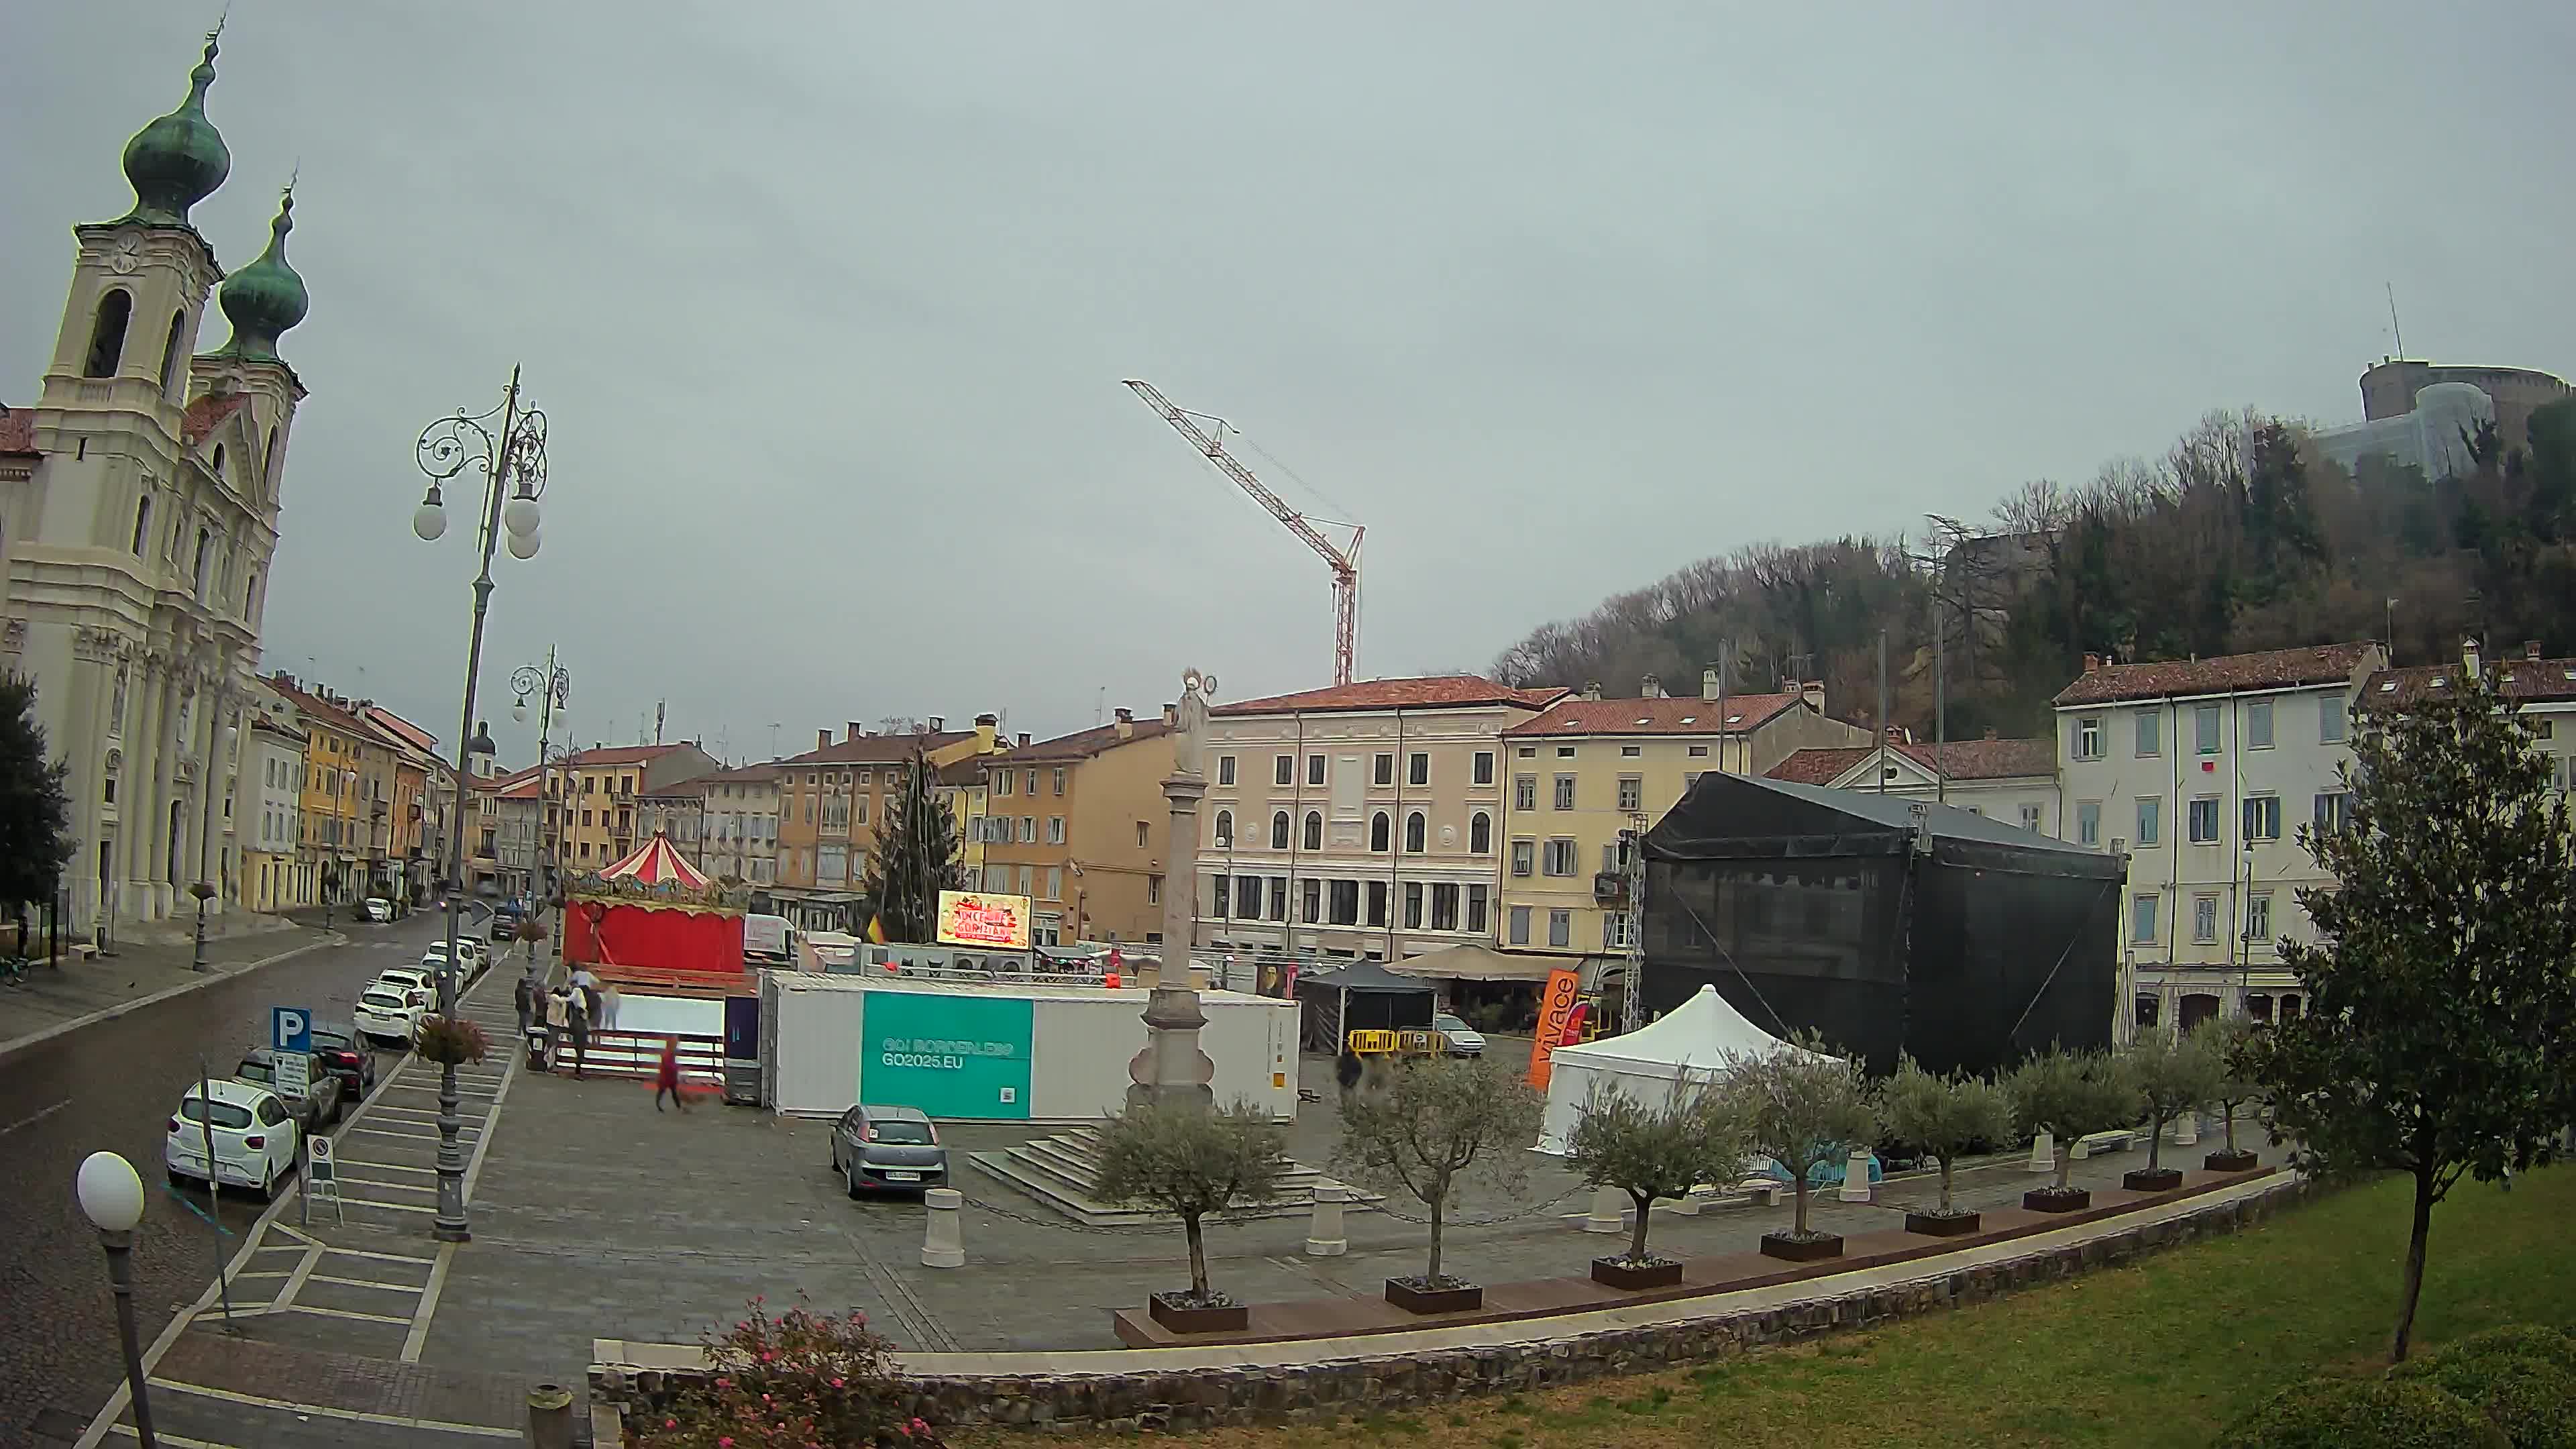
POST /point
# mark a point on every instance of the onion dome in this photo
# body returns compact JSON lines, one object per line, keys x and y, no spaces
{"x":178,"y":160}
{"x":264,"y":299}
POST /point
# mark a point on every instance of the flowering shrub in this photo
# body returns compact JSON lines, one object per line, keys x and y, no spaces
{"x":451,"y":1040}
{"x":799,"y":1380}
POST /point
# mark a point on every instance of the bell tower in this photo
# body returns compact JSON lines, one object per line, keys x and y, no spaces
{"x":119,"y":373}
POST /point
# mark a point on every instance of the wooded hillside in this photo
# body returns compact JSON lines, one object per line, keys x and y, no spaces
{"x":2238,"y":538}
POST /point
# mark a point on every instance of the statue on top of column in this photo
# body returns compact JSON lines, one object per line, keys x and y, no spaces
{"x":1190,"y":732}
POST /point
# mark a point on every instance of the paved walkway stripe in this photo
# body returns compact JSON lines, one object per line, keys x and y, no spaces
{"x":388,"y":1166}
{"x":411,"y":1136}
{"x":379,"y":1257}
{"x":427,"y":1308}
{"x":175,"y":1441}
{"x":355,"y":1416}
{"x":366,"y":1283}
{"x":391,"y":1207}
{"x":386,"y":1184}
{"x":339,"y":1313}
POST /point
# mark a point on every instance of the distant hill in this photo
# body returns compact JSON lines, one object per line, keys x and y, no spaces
{"x":2240,"y":537}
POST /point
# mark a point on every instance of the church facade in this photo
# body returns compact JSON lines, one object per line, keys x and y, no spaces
{"x":139,"y":498}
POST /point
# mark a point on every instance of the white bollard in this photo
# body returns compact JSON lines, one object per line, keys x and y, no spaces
{"x":2043,"y":1152}
{"x":1856,"y":1177}
{"x":943,"y":1244}
{"x":1325,"y":1236}
{"x":1609,"y":1211}
{"x":2186,"y":1131}
{"x":1687,"y":1205}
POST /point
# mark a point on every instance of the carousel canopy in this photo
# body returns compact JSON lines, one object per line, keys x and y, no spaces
{"x":656,"y":862}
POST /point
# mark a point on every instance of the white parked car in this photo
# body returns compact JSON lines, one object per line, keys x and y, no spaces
{"x":1464,"y":1040}
{"x":418,"y":984}
{"x":472,"y":956}
{"x":255,"y":1138}
{"x":379,"y":910}
{"x":387,"y":1013}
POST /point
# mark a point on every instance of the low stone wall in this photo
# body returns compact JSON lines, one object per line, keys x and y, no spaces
{"x":1397,"y":1379}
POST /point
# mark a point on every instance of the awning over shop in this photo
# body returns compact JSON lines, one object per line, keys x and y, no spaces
{"x":1482,"y":963}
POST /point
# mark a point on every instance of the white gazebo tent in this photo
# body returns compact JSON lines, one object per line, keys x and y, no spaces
{"x":1687,"y":1045}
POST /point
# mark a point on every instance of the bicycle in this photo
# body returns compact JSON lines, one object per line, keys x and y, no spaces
{"x":13,"y":971}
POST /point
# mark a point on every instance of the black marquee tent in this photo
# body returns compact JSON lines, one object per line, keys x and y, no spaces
{"x":1361,"y":996}
{"x":1887,"y":924}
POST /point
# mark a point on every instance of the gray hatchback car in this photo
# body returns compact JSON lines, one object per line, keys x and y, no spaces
{"x":879,"y":1149}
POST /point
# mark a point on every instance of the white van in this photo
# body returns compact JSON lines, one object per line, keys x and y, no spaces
{"x":768,"y":941}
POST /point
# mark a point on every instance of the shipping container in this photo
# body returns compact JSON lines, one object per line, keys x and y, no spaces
{"x":1001,"y":1053}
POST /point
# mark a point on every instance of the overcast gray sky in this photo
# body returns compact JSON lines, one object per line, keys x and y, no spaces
{"x":829,"y":302}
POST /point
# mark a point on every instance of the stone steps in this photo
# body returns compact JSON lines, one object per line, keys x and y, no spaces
{"x":1063,"y":1171}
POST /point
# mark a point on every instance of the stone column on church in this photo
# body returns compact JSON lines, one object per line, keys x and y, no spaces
{"x":149,"y":755}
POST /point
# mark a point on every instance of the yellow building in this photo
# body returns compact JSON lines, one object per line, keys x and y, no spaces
{"x":1081,"y":827}
{"x":965,"y":786}
{"x":592,"y":798}
{"x":346,"y":767}
{"x":1585,"y":769}
{"x":832,"y":802}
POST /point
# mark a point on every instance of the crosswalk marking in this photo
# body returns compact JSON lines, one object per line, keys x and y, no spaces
{"x":329,"y":1411}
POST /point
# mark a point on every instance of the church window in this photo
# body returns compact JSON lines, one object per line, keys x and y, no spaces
{"x":250,"y":594}
{"x":170,"y":352}
{"x":269,"y":459}
{"x":107,"y":336}
{"x":205,"y":557}
{"x":142,"y":523}
{"x":219,"y":462}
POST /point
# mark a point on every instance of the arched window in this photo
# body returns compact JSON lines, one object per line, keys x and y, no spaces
{"x":268,"y":459}
{"x":250,"y":595}
{"x":1314,"y":830}
{"x":1480,"y":834}
{"x":142,"y":523}
{"x":219,"y":463}
{"x":1225,"y":827}
{"x":1279,"y":831}
{"x":107,"y":335}
{"x":1378,"y":831}
{"x":1413,"y":833}
{"x":205,"y":556}
{"x":170,"y":352}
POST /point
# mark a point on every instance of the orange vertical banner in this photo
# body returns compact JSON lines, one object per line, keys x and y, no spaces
{"x":1556,"y":1006}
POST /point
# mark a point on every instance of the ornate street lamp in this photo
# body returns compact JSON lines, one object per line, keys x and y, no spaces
{"x":513,"y":463}
{"x":553,"y":687}
{"x":111,"y":1197}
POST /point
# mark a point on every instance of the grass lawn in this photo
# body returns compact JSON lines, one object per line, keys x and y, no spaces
{"x":2163,"y":1352}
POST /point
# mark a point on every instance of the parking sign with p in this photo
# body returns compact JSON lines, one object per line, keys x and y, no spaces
{"x":290,"y":1029}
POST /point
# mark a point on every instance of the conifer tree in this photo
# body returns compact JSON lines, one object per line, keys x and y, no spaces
{"x":35,"y":815}
{"x":918,"y":855}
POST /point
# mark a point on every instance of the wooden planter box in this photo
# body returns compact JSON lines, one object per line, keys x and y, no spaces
{"x":1794,"y":1250}
{"x":2237,"y":1161}
{"x":1938,"y":1225}
{"x":2050,"y":1200}
{"x":1612,"y":1273}
{"x":1404,"y":1294}
{"x":2152,"y":1179}
{"x":1182,"y":1317}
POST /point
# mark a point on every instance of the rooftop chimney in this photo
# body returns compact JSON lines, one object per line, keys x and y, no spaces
{"x":1171,"y":714}
{"x":939,"y":724}
{"x":2531,"y":649}
{"x":1708,"y":682}
{"x":1593,"y":690}
{"x":1651,"y":687}
{"x":855,"y":731}
{"x":2469,"y":653}
{"x":2092,"y":663}
{"x":1126,"y":724}
{"x":822,"y":739}
{"x":1024,"y":739}
{"x":988,"y":728}
{"x":1990,"y":732}
{"x":1813,"y":691}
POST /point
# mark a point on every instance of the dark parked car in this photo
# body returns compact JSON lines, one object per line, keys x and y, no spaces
{"x":340,"y":1048}
{"x":505,"y":926}
{"x":879,"y":1148}
{"x":318,"y":1108}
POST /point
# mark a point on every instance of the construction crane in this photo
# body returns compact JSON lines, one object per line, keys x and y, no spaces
{"x":1345,"y":561}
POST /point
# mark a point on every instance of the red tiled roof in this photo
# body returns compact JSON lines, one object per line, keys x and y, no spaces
{"x":208,"y":413}
{"x":760,"y":774}
{"x":878,"y":749}
{"x":619,"y":755}
{"x":1083,"y":744}
{"x":1449,"y":691}
{"x":17,"y":430}
{"x":318,"y":707}
{"x":2226,"y":673}
{"x":503,"y":783}
{"x":1667,"y":716}
{"x":1958,"y":760}
{"x":2521,"y":680}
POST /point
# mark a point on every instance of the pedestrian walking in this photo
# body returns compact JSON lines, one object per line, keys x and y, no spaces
{"x":666,"y":1077}
{"x":608,"y":1006}
{"x":1346,"y":1071}
{"x":526,"y":997}
{"x":577,"y":1026}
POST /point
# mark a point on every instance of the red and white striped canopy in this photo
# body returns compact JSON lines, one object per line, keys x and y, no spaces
{"x":654,"y":863}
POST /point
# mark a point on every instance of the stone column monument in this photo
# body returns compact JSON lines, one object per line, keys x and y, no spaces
{"x":1171,"y":1069}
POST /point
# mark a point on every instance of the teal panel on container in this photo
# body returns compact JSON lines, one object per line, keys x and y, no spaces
{"x":950,"y":1055}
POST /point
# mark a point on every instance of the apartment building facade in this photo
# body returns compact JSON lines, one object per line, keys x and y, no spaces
{"x":2200,"y":772}
{"x":832,"y":802}
{"x":347,"y":770}
{"x":1585,"y":770}
{"x":596,"y":791}
{"x":1079,"y":824}
{"x":270,"y":824}
{"x":741,"y":838}
{"x":2542,"y":691}
{"x":1358,"y":821}
{"x":2014,"y":781}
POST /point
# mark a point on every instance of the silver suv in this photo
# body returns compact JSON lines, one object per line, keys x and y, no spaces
{"x":876,"y":1149}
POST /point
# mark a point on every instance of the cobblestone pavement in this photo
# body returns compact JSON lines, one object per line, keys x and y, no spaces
{"x":112,"y":1084}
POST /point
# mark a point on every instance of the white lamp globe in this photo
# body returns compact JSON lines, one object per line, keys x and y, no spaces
{"x":523,"y":545}
{"x":428,"y":522}
{"x":111,"y":1196}
{"x":519,"y":711}
{"x":519,"y":515}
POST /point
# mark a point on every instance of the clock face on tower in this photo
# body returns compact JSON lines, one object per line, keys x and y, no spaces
{"x":128,"y":254}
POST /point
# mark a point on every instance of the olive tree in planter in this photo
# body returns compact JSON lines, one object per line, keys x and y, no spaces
{"x":1190,"y":1162}
{"x":1650,"y":1150}
{"x":2070,"y":1095}
{"x":1802,"y":1107}
{"x":1943,"y":1117}
{"x":2174,"y":1073}
{"x":2230,"y":1042}
{"x":1424,"y":1127}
